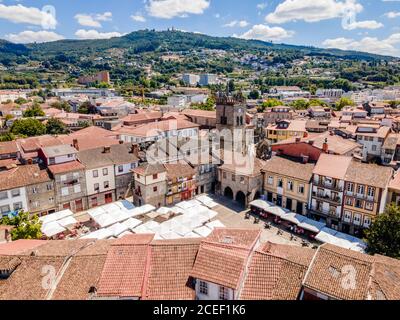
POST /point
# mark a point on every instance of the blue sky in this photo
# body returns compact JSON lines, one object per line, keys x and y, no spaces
{"x":366,"y":25}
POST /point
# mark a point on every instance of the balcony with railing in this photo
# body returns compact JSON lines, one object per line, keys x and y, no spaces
{"x":327,"y":185}
{"x":325,"y":197}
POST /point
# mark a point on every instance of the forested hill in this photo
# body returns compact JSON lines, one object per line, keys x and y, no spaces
{"x":163,"y":41}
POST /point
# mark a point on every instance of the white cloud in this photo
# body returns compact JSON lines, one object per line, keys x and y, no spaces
{"x":32,"y":36}
{"x":236,"y":23}
{"x":93,"y":20}
{"x":389,"y":46}
{"x":266,"y":33}
{"x":392,"y":14}
{"x":168,"y":9}
{"x":31,"y":15}
{"x":367,"y":24}
{"x":138,"y":17}
{"x":312,"y":10}
{"x":262,"y":6}
{"x":94,"y":34}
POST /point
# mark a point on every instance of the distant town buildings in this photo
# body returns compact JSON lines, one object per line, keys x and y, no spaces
{"x":101,"y":77}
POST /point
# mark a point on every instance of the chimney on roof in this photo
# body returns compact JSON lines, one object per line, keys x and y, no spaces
{"x":304,"y":158}
{"x":135,"y":150}
{"x":325,"y":147}
{"x":75,"y":144}
{"x":107,"y":149}
{"x":30,"y":161}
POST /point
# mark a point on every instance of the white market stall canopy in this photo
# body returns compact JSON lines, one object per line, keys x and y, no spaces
{"x":203,"y":231}
{"x":52,"y":228}
{"x":99,"y":234}
{"x":340,"y":239}
{"x":215,"y":224}
{"x":260,"y":204}
{"x":56,"y":216}
{"x":311,"y":225}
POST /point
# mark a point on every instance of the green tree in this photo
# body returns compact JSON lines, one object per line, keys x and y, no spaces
{"x":34,"y":111}
{"x":8,"y":136}
{"x":394,"y":104}
{"x":55,"y":126}
{"x":254,"y":94}
{"x":270,"y":103}
{"x":28,"y":127}
{"x":86,"y":108}
{"x":344,"y":102}
{"x":300,"y":104}
{"x":231,"y":86}
{"x":20,"y":101}
{"x":209,"y":105}
{"x":25,"y":226}
{"x":61,"y":105}
{"x":383,"y":236}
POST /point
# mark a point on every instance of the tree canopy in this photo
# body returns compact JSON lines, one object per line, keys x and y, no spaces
{"x":28,"y":127}
{"x":34,"y":111}
{"x":25,"y":226}
{"x":344,"y":102}
{"x":383,"y":237}
{"x":55,"y":126}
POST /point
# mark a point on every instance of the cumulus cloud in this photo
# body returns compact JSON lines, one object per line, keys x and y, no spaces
{"x":93,"y":20}
{"x":94,"y":34}
{"x":34,"y":36}
{"x":138,"y":17}
{"x":168,"y":9}
{"x":266,"y":33}
{"x":367,"y":24}
{"x":392,"y":14}
{"x":29,"y":15}
{"x":312,"y":10}
{"x":236,"y":23}
{"x":389,"y":46}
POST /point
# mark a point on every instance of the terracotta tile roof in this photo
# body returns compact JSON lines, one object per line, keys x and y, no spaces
{"x":90,"y":138}
{"x":200,"y":113}
{"x":140,"y":117}
{"x":19,"y":246}
{"x":289,"y":168}
{"x":369,"y":174}
{"x":21,"y":176}
{"x":66,"y":167}
{"x":25,"y":283}
{"x":298,"y":255}
{"x":336,"y":144}
{"x":8,"y":147}
{"x":332,"y":166}
{"x":329,"y":271}
{"x":153,"y":128}
{"x":119,"y":154}
{"x":83,"y":273}
{"x":220,"y":265}
{"x":385,"y":279}
{"x":272,"y":277}
{"x":177,"y":170}
{"x":125,"y":267}
{"x":149,"y":169}
{"x":223,"y":255}
{"x":33,"y":144}
{"x":169,"y":267}
{"x":241,"y":238}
